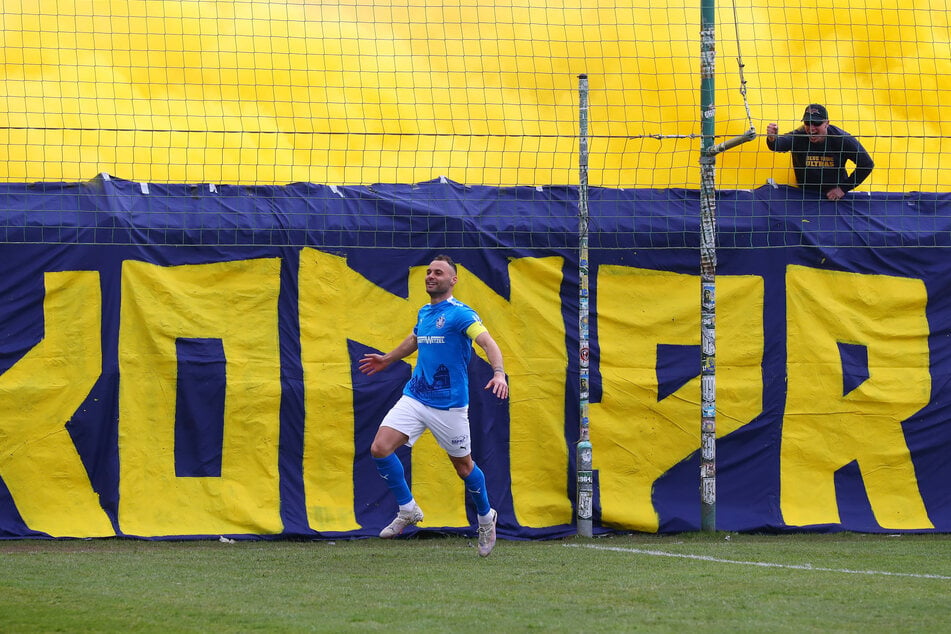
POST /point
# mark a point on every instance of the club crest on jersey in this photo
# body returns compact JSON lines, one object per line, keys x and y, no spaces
{"x":440,"y":321}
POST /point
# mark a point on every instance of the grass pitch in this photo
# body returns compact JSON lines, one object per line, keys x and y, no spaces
{"x":623,"y":583}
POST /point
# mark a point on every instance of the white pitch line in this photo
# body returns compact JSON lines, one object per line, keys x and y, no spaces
{"x":762,"y":564}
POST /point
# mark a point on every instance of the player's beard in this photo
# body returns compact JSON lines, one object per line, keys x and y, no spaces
{"x":439,"y":290}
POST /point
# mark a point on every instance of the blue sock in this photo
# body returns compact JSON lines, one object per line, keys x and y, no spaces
{"x":391,"y":470}
{"x":475,"y":485}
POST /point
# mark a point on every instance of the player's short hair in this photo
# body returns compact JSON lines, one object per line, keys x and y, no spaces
{"x":447,"y":260}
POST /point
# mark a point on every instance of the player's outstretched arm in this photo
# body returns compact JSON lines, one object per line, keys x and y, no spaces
{"x":498,"y":383}
{"x":371,"y":363}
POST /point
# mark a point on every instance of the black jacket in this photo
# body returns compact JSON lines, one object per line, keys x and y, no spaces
{"x":822,"y":165}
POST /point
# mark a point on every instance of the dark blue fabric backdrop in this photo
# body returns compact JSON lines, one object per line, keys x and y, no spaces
{"x":385,"y":229}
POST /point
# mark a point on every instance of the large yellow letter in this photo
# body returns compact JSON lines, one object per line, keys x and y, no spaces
{"x":337,"y":304}
{"x":38,"y":461}
{"x":235,"y":302}
{"x":530,"y":329}
{"x":637,"y":438}
{"x":824,"y":429}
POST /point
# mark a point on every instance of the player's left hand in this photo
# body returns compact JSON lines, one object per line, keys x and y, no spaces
{"x":498,"y":385}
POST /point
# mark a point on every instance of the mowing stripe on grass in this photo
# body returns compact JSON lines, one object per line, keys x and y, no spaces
{"x":763,"y":564}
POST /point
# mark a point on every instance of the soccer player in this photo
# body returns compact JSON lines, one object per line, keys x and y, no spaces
{"x":819,"y":154}
{"x":437,"y":398}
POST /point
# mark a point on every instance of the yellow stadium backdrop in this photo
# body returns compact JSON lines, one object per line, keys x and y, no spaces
{"x":479,"y":91}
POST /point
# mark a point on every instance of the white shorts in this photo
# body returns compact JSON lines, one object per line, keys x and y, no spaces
{"x":450,"y":427}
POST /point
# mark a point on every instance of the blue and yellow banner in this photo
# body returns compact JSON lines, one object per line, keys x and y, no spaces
{"x":181,"y":361}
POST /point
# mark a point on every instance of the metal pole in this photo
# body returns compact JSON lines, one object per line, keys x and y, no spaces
{"x":584,"y":469}
{"x":708,"y":266}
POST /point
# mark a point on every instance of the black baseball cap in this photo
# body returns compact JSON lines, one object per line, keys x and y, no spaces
{"x":815,"y":113}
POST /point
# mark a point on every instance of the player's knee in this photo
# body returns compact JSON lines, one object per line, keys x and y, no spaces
{"x":381,"y":446}
{"x":386,"y":441}
{"x":378,"y":450}
{"x":463,"y":466}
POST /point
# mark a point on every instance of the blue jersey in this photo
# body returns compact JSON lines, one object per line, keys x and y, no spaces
{"x":441,"y":376}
